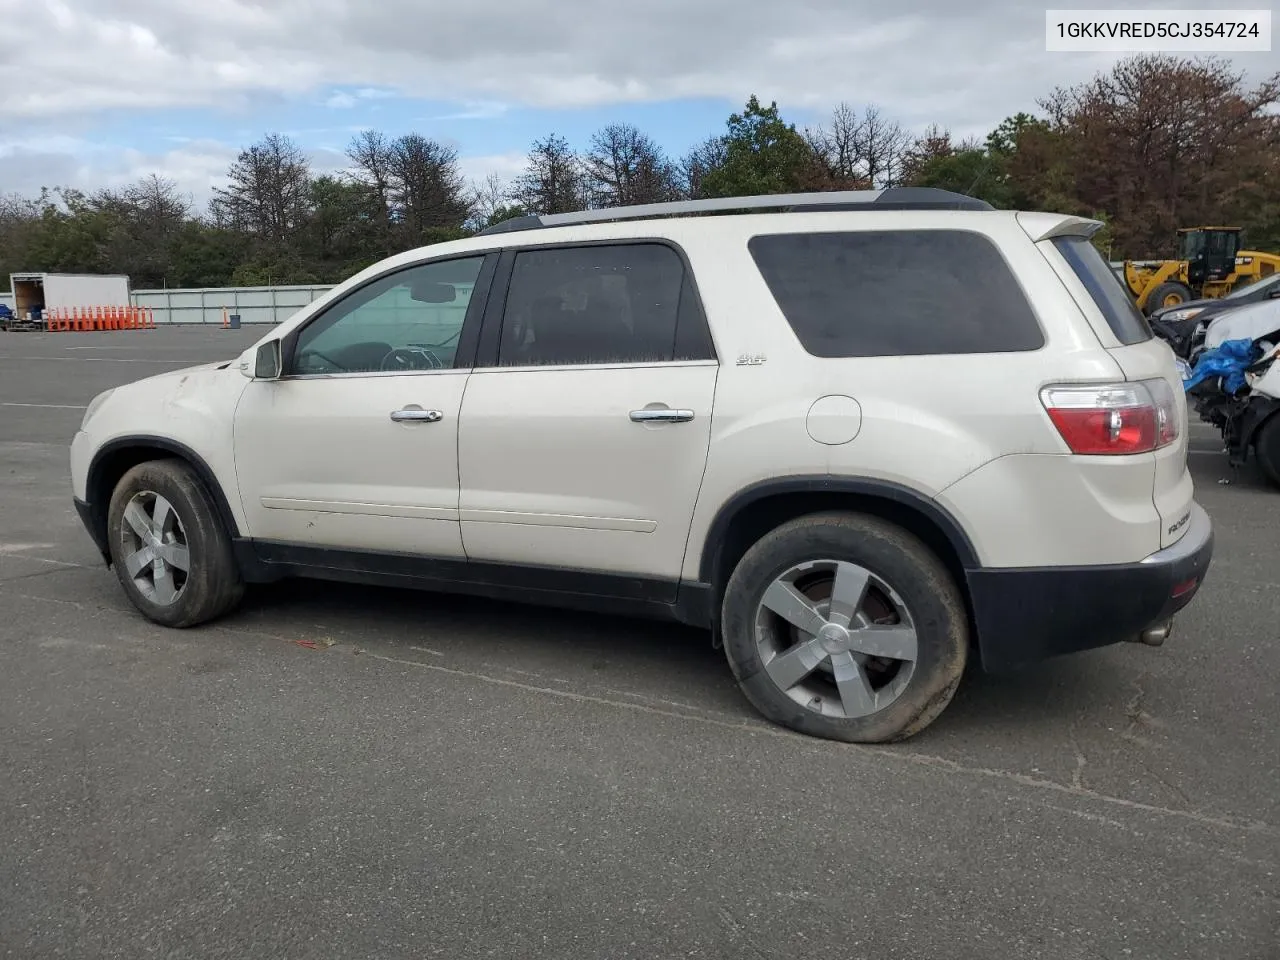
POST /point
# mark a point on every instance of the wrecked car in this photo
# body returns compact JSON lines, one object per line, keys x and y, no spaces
{"x":1234,"y":384}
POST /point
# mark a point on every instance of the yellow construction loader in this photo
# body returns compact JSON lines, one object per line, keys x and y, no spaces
{"x":1209,"y":264}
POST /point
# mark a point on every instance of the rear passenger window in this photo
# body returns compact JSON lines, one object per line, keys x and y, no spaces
{"x":896,"y":293}
{"x":1106,"y":289}
{"x":606,"y":303}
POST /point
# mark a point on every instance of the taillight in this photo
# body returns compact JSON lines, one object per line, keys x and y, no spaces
{"x":1113,"y":418}
{"x":1166,"y":404}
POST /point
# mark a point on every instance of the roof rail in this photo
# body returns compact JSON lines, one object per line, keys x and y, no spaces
{"x":891,"y":198}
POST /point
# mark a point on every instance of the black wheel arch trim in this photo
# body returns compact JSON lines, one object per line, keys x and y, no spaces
{"x":822,"y":483}
{"x":97,"y":505}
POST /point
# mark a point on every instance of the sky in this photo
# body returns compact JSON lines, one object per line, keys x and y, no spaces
{"x":101,"y":92}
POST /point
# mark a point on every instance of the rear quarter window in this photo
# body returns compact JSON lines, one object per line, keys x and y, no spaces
{"x":896,"y":293}
{"x":1105,"y":289}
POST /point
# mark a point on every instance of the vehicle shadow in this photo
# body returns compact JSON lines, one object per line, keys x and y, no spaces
{"x":633,"y":658}
{"x":645,"y":657}
{"x":1039,"y":697}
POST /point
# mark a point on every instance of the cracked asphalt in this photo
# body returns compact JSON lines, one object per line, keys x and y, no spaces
{"x":437,"y":776}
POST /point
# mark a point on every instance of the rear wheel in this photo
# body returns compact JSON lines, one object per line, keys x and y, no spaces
{"x":846,"y":627}
{"x":1169,"y":294}
{"x":168,"y":547}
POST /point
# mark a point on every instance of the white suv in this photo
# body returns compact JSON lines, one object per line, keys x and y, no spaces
{"x":862,"y":437}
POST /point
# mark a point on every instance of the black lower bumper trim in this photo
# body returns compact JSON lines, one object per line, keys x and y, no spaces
{"x":96,"y":531}
{"x":1026,"y":615}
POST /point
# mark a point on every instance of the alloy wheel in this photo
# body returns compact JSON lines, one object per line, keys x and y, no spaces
{"x":836,"y":638}
{"x":155,"y":553}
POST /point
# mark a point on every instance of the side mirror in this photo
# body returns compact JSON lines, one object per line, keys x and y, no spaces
{"x":1274,"y":292}
{"x":266,"y":362}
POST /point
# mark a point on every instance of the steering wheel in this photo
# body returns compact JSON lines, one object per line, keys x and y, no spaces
{"x":405,"y":359}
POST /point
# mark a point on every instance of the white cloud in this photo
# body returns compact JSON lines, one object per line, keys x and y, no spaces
{"x":197,"y":166}
{"x":478,"y":110}
{"x":65,"y":61}
{"x":505,"y":165}
{"x":343,"y":100}
{"x":937,"y":61}
{"x":59,"y":161}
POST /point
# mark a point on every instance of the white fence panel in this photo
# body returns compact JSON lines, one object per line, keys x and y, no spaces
{"x":207,"y":305}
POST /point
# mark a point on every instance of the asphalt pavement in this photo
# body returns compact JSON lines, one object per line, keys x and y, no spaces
{"x":428,"y":776}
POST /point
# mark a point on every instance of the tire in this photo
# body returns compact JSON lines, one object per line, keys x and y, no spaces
{"x":1266,"y":446}
{"x":1166,"y":291}
{"x":163,"y":592}
{"x":849,"y":695}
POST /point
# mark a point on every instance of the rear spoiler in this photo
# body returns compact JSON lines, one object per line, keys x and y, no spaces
{"x":1047,"y":226}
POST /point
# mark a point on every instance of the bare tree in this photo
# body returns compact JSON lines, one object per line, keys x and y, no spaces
{"x":934,"y":144}
{"x":1162,"y":142}
{"x":854,"y":151}
{"x":268,"y":191}
{"x":836,"y":146}
{"x":19,"y":221}
{"x":624,"y":166}
{"x":425,"y":187}
{"x":697,"y":163}
{"x":880,"y":145}
{"x":489,"y":197}
{"x":553,"y":180}
{"x":371,"y":153}
{"x":160,"y":203}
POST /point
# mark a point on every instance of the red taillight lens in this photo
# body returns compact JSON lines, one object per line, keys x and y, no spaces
{"x":1113,"y":419}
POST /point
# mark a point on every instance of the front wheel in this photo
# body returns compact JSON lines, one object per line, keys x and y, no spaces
{"x":170,"y":551}
{"x":1168,"y":294}
{"x":846,"y":627}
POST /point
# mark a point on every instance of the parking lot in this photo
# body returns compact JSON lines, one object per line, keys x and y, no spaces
{"x":433,"y":776}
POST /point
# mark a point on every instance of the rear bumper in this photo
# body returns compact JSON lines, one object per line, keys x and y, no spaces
{"x":1025,"y":615}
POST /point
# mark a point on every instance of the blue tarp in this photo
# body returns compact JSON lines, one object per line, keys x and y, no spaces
{"x":1227,"y":360}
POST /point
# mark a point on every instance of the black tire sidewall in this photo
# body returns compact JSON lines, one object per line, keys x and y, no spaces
{"x":213,"y":583}
{"x":900,"y":560}
{"x":1266,"y":447}
{"x":1156,"y":300}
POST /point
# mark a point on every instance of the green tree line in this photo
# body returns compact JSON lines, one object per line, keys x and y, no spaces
{"x":1154,"y":144}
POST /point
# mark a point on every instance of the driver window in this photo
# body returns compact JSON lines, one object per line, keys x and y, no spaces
{"x":408,"y":320}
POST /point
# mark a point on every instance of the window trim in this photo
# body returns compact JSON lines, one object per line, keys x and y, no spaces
{"x":491,"y":326}
{"x":990,"y":240}
{"x":468,"y":336}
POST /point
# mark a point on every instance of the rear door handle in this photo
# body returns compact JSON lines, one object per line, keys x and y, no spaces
{"x":661,"y":415}
{"x":416,"y":415}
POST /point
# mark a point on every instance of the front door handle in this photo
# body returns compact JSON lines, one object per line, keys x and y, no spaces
{"x":661,"y":415}
{"x":416,"y":415}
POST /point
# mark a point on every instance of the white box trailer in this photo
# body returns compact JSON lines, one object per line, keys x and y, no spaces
{"x":35,"y":294}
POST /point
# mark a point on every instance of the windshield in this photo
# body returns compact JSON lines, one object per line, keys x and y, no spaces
{"x":1250,"y":288}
